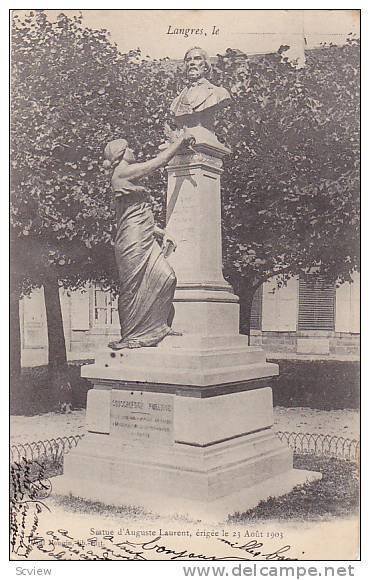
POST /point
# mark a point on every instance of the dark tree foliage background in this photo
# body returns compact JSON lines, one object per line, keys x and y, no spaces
{"x":290,"y":188}
{"x":291,"y":185}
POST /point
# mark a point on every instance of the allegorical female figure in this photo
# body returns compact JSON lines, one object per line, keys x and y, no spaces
{"x":147,"y":281}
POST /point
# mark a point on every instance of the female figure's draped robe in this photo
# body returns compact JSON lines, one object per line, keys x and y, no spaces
{"x":147,"y":281}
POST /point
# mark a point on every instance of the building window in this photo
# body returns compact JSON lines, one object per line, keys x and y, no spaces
{"x":316,"y":309}
{"x":105,"y":309}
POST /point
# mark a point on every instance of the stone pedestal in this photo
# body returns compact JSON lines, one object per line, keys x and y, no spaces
{"x":186,"y":427}
{"x":201,"y":452}
{"x":194,"y":220}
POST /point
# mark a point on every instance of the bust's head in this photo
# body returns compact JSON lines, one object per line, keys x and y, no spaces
{"x":197,"y":63}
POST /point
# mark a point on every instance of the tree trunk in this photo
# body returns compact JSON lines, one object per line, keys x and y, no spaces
{"x":15,"y":333}
{"x":57,"y":347}
{"x":246,"y":293}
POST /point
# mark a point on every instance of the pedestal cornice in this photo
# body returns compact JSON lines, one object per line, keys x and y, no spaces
{"x":195,"y":161}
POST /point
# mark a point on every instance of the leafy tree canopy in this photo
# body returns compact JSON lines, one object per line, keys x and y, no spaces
{"x":290,"y":187}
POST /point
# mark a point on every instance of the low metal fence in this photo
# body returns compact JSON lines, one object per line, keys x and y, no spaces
{"x":51,"y":449}
{"x":322,"y":445}
{"x":316,"y":444}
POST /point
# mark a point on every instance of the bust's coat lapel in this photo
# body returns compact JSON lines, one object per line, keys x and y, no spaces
{"x":180,"y":104}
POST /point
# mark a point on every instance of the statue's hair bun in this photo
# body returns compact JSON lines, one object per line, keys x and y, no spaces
{"x":107,"y":164}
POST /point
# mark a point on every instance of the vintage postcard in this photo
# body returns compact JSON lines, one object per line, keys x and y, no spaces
{"x":184,"y":224}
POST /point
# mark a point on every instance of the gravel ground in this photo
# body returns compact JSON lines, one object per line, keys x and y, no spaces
{"x":344,"y":423}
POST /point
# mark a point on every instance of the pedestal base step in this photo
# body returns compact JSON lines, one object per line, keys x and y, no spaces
{"x":211,"y":481}
{"x":215,"y":511}
{"x":185,"y":360}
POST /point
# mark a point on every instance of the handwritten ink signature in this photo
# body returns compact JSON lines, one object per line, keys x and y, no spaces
{"x":255,"y":549}
{"x":28,"y":490}
{"x":60,"y":545}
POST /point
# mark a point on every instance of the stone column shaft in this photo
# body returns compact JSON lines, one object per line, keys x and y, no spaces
{"x":194,"y":220}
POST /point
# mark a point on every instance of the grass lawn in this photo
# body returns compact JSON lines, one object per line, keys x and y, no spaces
{"x":335,"y":495}
{"x":319,"y":384}
{"x":32,"y":394}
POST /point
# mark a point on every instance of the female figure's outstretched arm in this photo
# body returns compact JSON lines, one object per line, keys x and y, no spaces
{"x":137,"y":170}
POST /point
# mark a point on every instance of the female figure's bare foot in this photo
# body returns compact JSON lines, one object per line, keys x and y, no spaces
{"x":128,"y":343}
{"x":119,"y":344}
{"x":175,"y":333}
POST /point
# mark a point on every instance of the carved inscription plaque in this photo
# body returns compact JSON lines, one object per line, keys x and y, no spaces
{"x":142,"y":417}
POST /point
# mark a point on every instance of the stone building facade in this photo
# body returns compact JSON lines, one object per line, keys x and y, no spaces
{"x":308,"y":317}
{"x":303,"y":318}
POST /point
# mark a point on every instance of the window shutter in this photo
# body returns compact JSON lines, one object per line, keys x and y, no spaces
{"x":279,"y":312}
{"x":347,"y":307}
{"x":80,"y":303}
{"x":316,"y":304}
{"x":34,"y":320}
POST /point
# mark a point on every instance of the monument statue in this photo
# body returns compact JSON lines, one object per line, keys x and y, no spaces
{"x":197,"y":102}
{"x":147,"y":281}
{"x":202,"y":442}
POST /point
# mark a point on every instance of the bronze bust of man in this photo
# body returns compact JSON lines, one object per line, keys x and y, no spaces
{"x":197,"y":102}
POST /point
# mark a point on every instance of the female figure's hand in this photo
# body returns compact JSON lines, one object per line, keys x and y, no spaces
{"x":169,"y":245}
{"x":189,"y":139}
{"x":186,"y":138}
